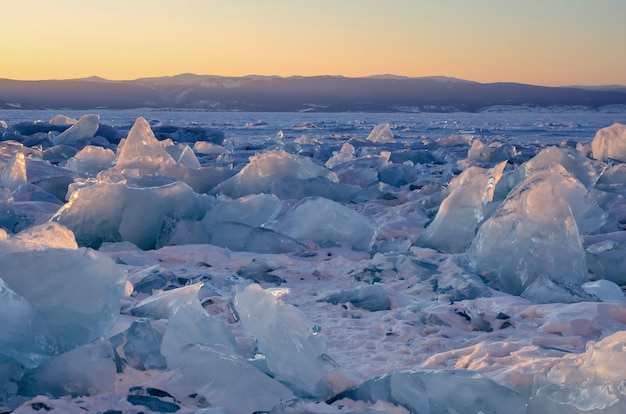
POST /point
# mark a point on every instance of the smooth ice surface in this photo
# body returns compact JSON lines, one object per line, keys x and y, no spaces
{"x":440,"y":392}
{"x":610,"y":142}
{"x":604,"y":290}
{"x":86,"y":127}
{"x":253,"y":210}
{"x":86,"y":370}
{"x":114,"y":212}
{"x":460,"y":213}
{"x":326,"y":222}
{"x":294,"y":355}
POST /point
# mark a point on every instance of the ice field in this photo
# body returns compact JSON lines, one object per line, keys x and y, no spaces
{"x":211,"y":263}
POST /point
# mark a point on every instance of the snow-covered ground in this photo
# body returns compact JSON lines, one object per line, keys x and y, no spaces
{"x":199,"y":262}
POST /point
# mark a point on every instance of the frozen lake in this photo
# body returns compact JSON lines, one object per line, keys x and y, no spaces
{"x":226,"y":262}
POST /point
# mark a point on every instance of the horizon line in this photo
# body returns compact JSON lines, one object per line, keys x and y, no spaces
{"x":373,"y":76}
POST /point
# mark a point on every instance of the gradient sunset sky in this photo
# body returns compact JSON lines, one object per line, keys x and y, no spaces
{"x":543,"y":42}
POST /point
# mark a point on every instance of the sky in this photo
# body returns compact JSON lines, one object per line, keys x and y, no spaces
{"x":541,"y":42}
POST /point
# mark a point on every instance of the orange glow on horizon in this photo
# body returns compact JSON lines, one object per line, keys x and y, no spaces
{"x":530,"y":42}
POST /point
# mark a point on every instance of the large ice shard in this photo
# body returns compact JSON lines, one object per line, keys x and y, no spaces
{"x":116,"y":212}
{"x":610,"y":142}
{"x":190,"y":325}
{"x":221,"y":377}
{"x":325,"y":222}
{"x":460,"y":213}
{"x":263,"y":169}
{"x":532,"y":232}
{"x":440,"y":392}
{"x":344,"y":155}
{"x":294,"y":355}
{"x":381,"y":134}
{"x":14,"y":173}
{"x":76,"y":293}
{"x":163,"y":304}
{"x":142,"y":150}
{"x":86,"y":127}
{"x":592,"y":382}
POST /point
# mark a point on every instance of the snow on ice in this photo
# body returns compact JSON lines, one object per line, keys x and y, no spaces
{"x":381,"y":263}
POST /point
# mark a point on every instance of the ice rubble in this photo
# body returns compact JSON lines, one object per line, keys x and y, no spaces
{"x":286,"y":195}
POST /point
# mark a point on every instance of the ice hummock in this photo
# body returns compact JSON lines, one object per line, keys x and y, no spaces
{"x":533,"y":231}
{"x":326,"y":222}
{"x":610,"y":142}
{"x":76,"y":293}
{"x":107,"y":212}
{"x":86,"y":127}
{"x":258,"y":176}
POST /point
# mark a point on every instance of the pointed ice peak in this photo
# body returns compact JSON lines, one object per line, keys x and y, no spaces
{"x":142,"y":149}
{"x":381,"y":134}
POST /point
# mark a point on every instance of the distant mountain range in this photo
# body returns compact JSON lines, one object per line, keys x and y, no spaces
{"x":382,"y":93}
